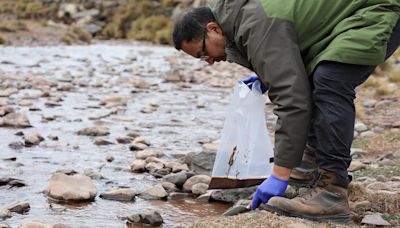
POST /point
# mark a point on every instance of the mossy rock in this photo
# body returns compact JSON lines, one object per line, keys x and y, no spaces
{"x":76,"y":35}
{"x":157,"y":29}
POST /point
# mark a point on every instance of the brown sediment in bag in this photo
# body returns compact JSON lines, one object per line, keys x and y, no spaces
{"x":224,"y":183}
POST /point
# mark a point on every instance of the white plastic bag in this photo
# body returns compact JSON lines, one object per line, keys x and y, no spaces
{"x":245,"y":154}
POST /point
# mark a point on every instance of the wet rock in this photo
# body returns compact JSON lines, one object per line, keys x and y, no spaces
{"x":395,"y":178}
{"x":138,"y":165}
{"x":156,"y":160}
{"x":12,"y":182}
{"x":4,"y":110}
{"x":199,"y":189}
{"x":142,"y":140}
{"x":53,"y":137}
{"x":25,"y":102}
{"x":173,"y":76}
{"x":94,"y":175}
{"x":178,"y":195}
{"x":133,"y":134}
{"x":4,"y":225}
{"x":180,"y":167}
{"x":124,"y":139}
{"x":205,"y":198}
{"x":8,"y":92}
{"x":12,"y":158}
{"x":66,"y":171}
{"x":150,"y":218}
{"x":233,"y":195}
{"x":19,"y":207}
{"x":122,"y":194}
{"x":356,"y":165}
{"x":235,"y":210}
{"x":94,"y":131}
{"x":102,"y":142}
{"x":113,"y":101}
{"x":187,"y":186}
{"x":15,"y":120}
{"x":176,"y":178}
{"x":140,"y":83}
{"x":158,"y":173}
{"x":109,"y":158}
{"x":16,"y":145}
{"x":211,"y":147}
{"x":152,"y":166}
{"x":137,"y":146}
{"x":71,"y":188}
{"x":169,"y":187}
{"x":144,"y":154}
{"x":41,"y":225}
{"x":200,"y":163}
{"x":375,"y":219}
{"x":4,"y":214}
{"x":154,"y":193}
{"x":32,"y":138}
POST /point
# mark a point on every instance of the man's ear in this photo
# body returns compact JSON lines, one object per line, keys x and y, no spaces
{"x":212,"y":26}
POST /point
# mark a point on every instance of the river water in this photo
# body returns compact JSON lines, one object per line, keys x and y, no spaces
{"x":185,"y":115}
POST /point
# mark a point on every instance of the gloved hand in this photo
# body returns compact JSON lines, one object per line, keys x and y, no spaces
{"x":270,"y":187}
{"x":251,"y":79}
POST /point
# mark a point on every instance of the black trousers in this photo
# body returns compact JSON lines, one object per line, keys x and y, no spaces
{"x":333,"y":116}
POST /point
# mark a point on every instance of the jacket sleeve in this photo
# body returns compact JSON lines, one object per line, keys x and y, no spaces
{"x":270,"y":45}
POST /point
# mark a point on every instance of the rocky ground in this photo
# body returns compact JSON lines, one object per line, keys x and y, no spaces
{"x":137,"y":126}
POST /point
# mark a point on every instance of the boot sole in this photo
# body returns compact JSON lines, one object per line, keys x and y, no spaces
{"x":339,"y":218}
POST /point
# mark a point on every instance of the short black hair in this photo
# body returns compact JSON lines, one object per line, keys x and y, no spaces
{"x":191,"y":25}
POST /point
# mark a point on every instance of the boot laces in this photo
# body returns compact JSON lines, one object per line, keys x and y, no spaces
{"x":320,"y":181}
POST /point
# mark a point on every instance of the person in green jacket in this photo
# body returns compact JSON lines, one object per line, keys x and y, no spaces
{"x":312,"y":54}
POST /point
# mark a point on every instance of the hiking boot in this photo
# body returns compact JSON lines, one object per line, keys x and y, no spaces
{"x":304,"y":174}
{"x":325,"y":202}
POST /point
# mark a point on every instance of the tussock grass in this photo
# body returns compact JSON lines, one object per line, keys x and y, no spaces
{"x":360,"y":111}
{"x":3,"y":40}
{"x":12,"y":26}
{"x":76,"y":34}
{"x":394,"y":75}
{"x":154,"y":28}
{"x":383,"y":90}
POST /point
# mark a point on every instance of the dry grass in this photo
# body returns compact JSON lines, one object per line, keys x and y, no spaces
{"x":258,"y":219}
{"x":76,"y":34}
{"x":360,"y":112}
{"x":154,"y":28}
{"x":394,"y":75}
{"x":372,"y":81}
{"x":380,"y":143}
{"x":12,"y":26}
{"x":3,"y":40}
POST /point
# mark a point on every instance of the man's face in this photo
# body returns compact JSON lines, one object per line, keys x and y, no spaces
{"x":211,"y":48}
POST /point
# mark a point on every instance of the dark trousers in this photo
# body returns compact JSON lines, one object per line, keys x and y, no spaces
{"x":333,"y":116}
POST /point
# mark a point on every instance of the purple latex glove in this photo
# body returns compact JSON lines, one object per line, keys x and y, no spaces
{"x":251,"y":79}
{"x":270,"y":187}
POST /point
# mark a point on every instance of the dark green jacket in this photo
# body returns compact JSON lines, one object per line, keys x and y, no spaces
{"x":284,"y":40}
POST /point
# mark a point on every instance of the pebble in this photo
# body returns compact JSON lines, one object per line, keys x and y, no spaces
{"x":19,"y":207}
{"x":360,"y":127}
{"x":122,"y":194}
{"x":32,"y":138}
{"x":154,"y":193}
{"x":138,"y":165}
{"x":375,"y":219}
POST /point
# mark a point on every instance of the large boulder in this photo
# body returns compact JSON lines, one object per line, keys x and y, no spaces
{"x":176,"y":178}
{"x":200,"y":163}
{"x":71,"y":188}
{"x":156,"y":192}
